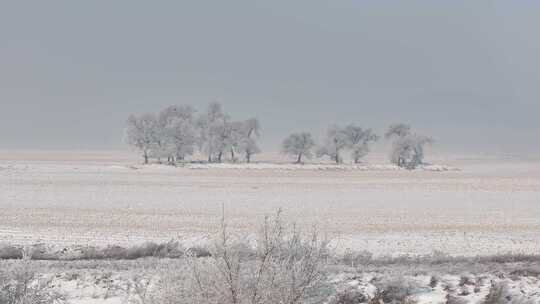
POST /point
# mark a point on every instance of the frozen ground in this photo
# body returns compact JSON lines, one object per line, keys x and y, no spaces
{"x":459,"y":281}
{"x":491,"y":205}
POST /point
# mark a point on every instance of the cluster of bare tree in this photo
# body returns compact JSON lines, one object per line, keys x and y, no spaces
{"x":337,"y":139}
{"x":407,"y":148}
{"x":177,"y":131}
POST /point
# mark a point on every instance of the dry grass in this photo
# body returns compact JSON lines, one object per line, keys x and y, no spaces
{"x":20,"y":284}
{"x":172,"y":249}
{"x":282,"y":265}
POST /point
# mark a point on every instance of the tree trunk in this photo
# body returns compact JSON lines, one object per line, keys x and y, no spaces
{"x":248,"y":157}
{"x":299,"y":159}
{"x":232,"y":154}
{"x":145,"y":158}
{"x":209,"y":158}
{"x":219,"y":157}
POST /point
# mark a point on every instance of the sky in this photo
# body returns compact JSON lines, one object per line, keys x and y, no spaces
{"x":465,"y":72}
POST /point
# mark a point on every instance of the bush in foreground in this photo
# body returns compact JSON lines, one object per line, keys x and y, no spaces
{"x":286,"y":266}
{"x":19,"y":284}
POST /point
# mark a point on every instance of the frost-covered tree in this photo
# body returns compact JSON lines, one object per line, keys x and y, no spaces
{"x":407,"y":148}
{"x":241,"y":137}
{"x":358,"y":141}
{"x":175,"y":132}
{"x":178,"y":131}
{"x":229,"y":139}
{"x":398,"y":130}
{"x":213,"y":130}
{"x":334,"y":142}
{"x":219,"y":136}
{"x":299,"y":145}
{"x":408,"y":151}
{"x":250,"y":132}
{"x":142,"y":132}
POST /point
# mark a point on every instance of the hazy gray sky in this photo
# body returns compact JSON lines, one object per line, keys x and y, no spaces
{"x":466,"y":72}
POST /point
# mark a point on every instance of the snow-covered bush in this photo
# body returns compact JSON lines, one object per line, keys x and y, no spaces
{"x":395,"y":290}
{"x":286,"y":266}
{"x":349,"y":295}
{"x":19,"y":284}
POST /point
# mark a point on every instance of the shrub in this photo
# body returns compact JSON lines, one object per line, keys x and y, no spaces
{"x":199,"y":252}
{"x":455,"y":300}
{"x":395,"y":290}
{"x":355,"y":258}
{"x":10,"y":252}
{"x":19,"y":284}
{"x":496,"y":295}
{"x":171,"y":249}
{"x":349,"y":295}
{"x":286,"y":266}
{"x":466,"y":280}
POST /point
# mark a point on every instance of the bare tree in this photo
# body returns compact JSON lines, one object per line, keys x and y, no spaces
{"x":398,"y":130}
{"x":240,"y":137}
{"x":183,"y":138}
{"x":334,"y":143}
{"x":226,"y":138}
{"x":233,"y":137}
{"x":300,"y":145}
{"x":250,"y":132}
{"x":212,"y":131}
{"x":142,"y":132}
{"x":407,"y":148}
{"x":358,"y":140}
{"x":178,"y":130}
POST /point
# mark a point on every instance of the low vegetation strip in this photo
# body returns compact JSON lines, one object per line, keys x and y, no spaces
{"x":171,"y":249}
{"x":282,"y":265}
{"x":175,"y":250}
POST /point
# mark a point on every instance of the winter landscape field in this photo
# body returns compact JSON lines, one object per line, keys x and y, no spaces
{"x":270,"y":152}
{"x":460,"y":207}
{"x":462,"y":218}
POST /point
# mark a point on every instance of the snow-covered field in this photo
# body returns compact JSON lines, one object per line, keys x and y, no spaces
{"x":461,"y":206}
{"x":458,"y":281}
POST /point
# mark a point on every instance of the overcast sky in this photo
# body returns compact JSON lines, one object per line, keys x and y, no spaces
{"x":465,"y":72}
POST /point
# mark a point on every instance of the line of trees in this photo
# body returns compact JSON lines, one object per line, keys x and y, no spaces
{"x":177,"y":132}
{"x":407,"y":147}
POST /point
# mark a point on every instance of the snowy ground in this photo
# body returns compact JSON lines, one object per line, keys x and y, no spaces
{"x":106,"y":282}
{"x":488,"y":206}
